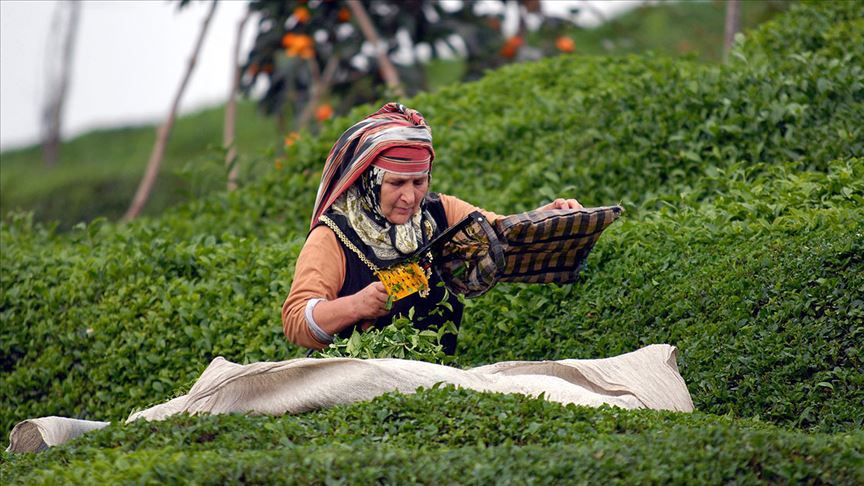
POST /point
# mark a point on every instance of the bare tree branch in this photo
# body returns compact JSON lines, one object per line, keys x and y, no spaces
{"x":321,"y":83}
{"x":733,"y":26}
{"x":231,"y":107}
{"x":388,"y":71}
{"x":146,"y":184}
{"x":59,"y":85}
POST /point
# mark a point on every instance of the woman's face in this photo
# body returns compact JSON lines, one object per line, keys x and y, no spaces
{"x":401,"y":196}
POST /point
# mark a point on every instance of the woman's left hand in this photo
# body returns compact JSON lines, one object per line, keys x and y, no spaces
{"x":561,"y":203}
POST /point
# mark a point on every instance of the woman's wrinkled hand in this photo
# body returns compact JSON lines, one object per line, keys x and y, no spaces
{"x":371,"y":302}
{"x":561,"y":203}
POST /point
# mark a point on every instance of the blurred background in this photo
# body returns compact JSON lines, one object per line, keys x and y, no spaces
{"x":102,"y":114}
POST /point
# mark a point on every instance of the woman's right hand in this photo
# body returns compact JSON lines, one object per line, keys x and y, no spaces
{"x":371,"y":302}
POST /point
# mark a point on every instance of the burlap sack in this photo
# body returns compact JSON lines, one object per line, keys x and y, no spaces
{"x":646,"y":378}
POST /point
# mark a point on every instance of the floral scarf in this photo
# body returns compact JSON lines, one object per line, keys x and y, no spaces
{"x":361,"y":205}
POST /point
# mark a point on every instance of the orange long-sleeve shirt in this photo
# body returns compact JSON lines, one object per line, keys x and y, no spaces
{"x":320,"y":272}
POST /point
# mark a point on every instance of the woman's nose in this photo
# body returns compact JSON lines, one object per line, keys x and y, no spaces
{"x":408,"y":196}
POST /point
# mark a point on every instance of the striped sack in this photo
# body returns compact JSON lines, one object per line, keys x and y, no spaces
{"x":534,"y":247}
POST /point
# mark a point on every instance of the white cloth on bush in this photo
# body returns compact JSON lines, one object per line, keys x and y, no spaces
{"x":646,"y":378}
{"x":38,"y":434}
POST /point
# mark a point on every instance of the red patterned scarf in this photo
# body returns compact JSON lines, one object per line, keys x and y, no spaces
{"x":394,"y":125}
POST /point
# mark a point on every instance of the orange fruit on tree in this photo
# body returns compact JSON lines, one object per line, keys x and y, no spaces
{"x":302,"y":14}
{"x":565,"y":44}
{"x":324,"y":112}
{"x":307,"y":52}
{"x":511,"y":46}
{"x":291,"y":138}
{"x":298,"y":45}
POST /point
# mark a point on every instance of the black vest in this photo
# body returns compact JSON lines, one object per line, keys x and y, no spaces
{"x":358,"y":275}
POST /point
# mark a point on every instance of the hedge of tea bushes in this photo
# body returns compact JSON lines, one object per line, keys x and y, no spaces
{"x":448,"y":435}
{"x":741,"y":243}
{"x":761,"y":289}
{"x":124,"y":332}
{"x":108,"y":321}
{"x":808,"y":26}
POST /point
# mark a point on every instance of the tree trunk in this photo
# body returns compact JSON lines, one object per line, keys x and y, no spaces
{"x":388,"y":71}
{"x":321,"y":83}
{"x":57,"y":88}
{"x":733,"y":26}
{"x":146,"y":184}
{"x":231,"y":108}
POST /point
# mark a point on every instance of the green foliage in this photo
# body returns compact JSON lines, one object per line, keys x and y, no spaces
{"x":450,"y":435}
{"x":97,"y":173}
{"x":673,"y":28}
{"x":762,"y":289}
{"x":398,"y":340}
{"x":810,"y":26}
{"x":664,"y":128}
{"x":742,"y":245}
{"x":84,"y":316}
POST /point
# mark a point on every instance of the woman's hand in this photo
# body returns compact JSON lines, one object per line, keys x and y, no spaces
{"x":371,"y":302}
{"x":561,"y":203}
{"x":332,"y":316}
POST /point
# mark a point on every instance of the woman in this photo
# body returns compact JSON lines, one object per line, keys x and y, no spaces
{"x":373,"y":209}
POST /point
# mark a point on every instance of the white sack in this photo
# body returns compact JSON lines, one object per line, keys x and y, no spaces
{"x":646,"y":378}
{"x":35,"y":435}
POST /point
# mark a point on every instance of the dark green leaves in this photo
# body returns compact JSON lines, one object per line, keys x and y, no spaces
{"x":398,"y":340}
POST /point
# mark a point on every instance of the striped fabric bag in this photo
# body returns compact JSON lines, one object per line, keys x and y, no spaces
{"x":533,"y":247}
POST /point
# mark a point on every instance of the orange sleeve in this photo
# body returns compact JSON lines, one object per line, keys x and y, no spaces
{"x":456,"y":209}
{"x":319,"y":273}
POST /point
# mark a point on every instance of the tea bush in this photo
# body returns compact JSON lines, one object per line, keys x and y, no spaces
{"x":742,"y":245}
{"x":762,"y":289}
{"x":118,"y":331}
{"x":449,"y":435}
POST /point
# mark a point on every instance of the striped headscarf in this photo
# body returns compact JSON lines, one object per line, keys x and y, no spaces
{"x":394,"y":125}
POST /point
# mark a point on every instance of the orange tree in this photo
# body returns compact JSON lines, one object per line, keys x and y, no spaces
{"x":307,"y":52}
